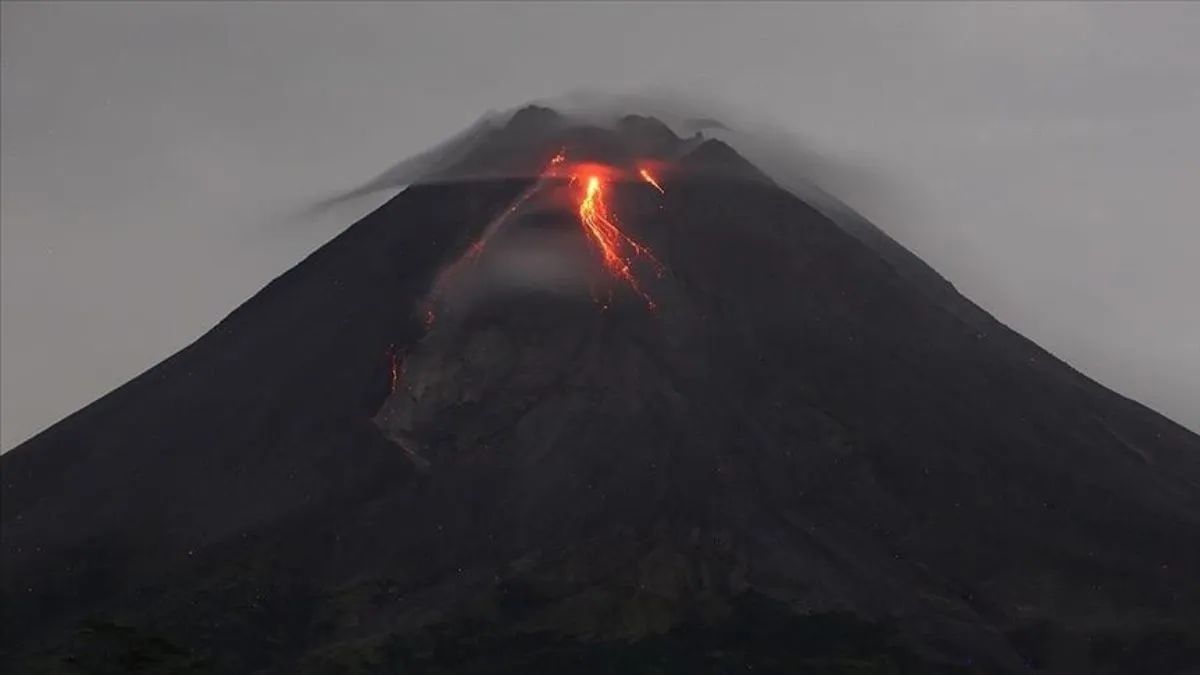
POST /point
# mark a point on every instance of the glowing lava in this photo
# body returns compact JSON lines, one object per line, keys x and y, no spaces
{"x":617,"y":250}
{"x":646,"y":176}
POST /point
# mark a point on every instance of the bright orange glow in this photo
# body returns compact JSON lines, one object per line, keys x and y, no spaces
{"x":588,"y":182}
{"x":617,"y":250}
{"x":645,"y":174}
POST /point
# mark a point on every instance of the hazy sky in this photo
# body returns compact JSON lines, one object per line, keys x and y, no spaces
{"x":155,"y":157}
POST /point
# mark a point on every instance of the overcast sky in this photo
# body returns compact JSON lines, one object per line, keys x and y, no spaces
{"x":155,"y":158}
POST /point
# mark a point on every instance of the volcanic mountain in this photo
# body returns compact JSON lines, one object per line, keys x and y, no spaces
{"x":592,"y":397}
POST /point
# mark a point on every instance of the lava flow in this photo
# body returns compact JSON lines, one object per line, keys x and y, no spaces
{"x":646,"y":176}
{"x":617,"y":250}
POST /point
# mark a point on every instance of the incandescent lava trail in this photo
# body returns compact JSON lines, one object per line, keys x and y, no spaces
{"x":476,"y":248}
{"x":646,"y":176}
{"x":617,"y":250}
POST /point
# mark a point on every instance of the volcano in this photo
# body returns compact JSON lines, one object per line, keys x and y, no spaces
{"x":599,"y":398}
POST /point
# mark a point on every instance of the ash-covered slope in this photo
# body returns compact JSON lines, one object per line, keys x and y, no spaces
{"x":798,"y":461}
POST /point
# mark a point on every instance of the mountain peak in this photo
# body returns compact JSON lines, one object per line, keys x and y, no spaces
{"x":535,"y":118}
{"x":647,"y":135}
{"x":713,"y":156}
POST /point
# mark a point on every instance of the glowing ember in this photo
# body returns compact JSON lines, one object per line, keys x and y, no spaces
{"x":645,"y":174}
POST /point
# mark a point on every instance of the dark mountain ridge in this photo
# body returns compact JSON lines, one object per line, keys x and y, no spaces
{"x":800,"y":441}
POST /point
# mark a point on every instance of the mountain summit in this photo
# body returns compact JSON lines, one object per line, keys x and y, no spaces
{"x":596,"y":397}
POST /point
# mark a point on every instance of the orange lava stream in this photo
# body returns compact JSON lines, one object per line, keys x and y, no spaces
{"x":650,"y":179}
{"x":617,"y":250}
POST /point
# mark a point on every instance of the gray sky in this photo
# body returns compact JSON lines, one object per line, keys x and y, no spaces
{"x":155,"y":158}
